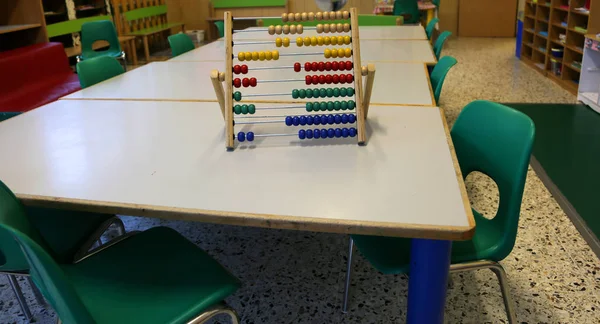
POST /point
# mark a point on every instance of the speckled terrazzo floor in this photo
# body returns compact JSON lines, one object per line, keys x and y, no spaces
{"x":297,"y":277}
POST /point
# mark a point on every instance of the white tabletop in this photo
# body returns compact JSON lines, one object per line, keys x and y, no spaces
{"x":366,"y":32}
{"x":407,"y":51}
{"x":168,"y":159}
{"x":395,"y":83}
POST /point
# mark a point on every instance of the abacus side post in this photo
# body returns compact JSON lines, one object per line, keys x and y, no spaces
{"x":229,"y":141}
{"x":360,"y":117}
{"x":368,"y":88}
{"x":214,"y":78}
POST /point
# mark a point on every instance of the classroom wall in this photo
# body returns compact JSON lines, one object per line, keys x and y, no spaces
{"x":448,"y":14}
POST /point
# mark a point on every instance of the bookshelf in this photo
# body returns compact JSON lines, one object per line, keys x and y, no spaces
{"x":21,"y":23}
{"x":551,"y":26}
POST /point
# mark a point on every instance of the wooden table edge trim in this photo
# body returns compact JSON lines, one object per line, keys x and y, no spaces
{"x":454,"y":233}
{"x":429,"y":84}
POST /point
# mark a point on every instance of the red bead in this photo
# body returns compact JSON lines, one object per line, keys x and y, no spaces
{"x":307,"y":80}
{"x":335,"y":66}
{"x":237,"y":82}
{"x":342,"y":66}
{"x":335,"y":78}
{"x":307,"y":67}
{"x":322,"y":79}
{"x":246,"y":82}
{"x":328,"y":79}
{"x":253,"y":82}
{"x":237,"y":69}
{"x":349,"y":65}
{"x":315,"y":79}
{"x":349,"y":78}
{"x":314,"y":66}
{"x":244,"y":69}
{"x":321,"y":66}
{"x":328,"y":66}
{"x":297,"y":67}
{"x":342,"y":78}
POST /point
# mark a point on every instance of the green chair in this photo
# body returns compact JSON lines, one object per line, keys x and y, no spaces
{"x":495,"y":140}
{"x":220,"y":24}
{"x":97,"y":69}
{"x":431,"y":27}
{"x":439,"y":43}
{"x":409,"y":9}
{"x":438,"y":75}
{"x":102,"y":30}
{"x":156,"y":276}
{"x":180,"y":43}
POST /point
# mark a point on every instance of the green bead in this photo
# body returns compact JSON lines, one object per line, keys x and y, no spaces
{"x":330,"y":105}
{"x":309,"y":93}
{"x":344,"y":105}
{"x":295,"y":93}
{"x":329,"y":93}
{"x":251,"y":109}
{"x":244,"y":109}
{"x":237,"y":96}
{"x":322,"y":93}
{"x":237,"y":109}
{"x":309,"y":106}
{"x":302,"y":93}
{"x":337,"y":105}
{"x":351,"y":104}
{"x":323,"y":106}
{"x":343,"y":92}
{"x":336,"y":92}
{"x":350,"y":92}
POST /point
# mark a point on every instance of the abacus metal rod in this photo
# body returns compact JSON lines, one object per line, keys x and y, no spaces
{"x":271,"y":67}
{"x":256,"y":30}
{"x":283,"y":107}
{"x":275,"y":134}
{"x":267,"y":94}
{"x":280,"y":80}
{"x":253,"y":43}
{"x":335,"y":112}
{"x":256,"y":18}
{"x":260,"y":122}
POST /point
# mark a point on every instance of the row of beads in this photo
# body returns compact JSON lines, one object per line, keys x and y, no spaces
{"x":298,"y":29}
{"x":246,"y":82}
{"x":328,"y":79}
{"x":322,"y":93}
{"x":321,"y":40}
{"x":330,"y":105}
{"x":243,"y":69}
{"x":332,"y":28}
{"x":326,"y":15}
{"x":245,"y":136}
{"x":337,"y":52}
{"x":256,"y":56}
{"x":324,"y":66}
{"x":244,"y":109}
{"x":327,"y":133}
{"x":320,"y":119}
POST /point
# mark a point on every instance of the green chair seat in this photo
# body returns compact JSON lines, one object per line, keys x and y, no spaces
{"x":180,"y":43}
{"x":97,"y":69}
{"x":156,"y":276}
{"x":389,"y":255}
{"x":155,"y":29}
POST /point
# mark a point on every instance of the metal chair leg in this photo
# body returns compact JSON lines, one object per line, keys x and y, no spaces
{"x":217,"y":310}
{"x":348,"y":275}
{"x":120,"y":225}
{"x":20,"y":298}
{"x":36,"y":292}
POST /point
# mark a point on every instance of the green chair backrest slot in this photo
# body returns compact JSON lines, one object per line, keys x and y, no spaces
{"x":98,"y":69}
{"x":71,"y":26}
{"x":146,"y":12}
{"x":180,"y":43}
{"x":220,"y":4}
{"x":363,"y":20}
{"x":438,"y":75}
{"x":102,"y":30}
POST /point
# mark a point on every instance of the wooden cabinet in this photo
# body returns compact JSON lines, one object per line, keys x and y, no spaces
{"x":487,"y":18}
{"x":21,"y":23}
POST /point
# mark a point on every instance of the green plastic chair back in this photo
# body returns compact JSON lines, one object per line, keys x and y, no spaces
{"x":180,"y":43}
{"x":439,"y":43}
{"x":431,"y":27}
{"x":103,"y":30}
{"x":363,"y":20}
{"x":220,"y":27}
{"x":436,"y":3}
{"x":409,"y":9}
{"x":98,"y":69}
{"x":438,"y":75}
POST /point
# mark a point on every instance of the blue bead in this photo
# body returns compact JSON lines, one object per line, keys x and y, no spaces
{"x":241,"y":136}
{"x":309,"y":133}
{"x":301,"y":134}
{"x":310,"y":120}
{"x":345,"y":119}
{"x":296,"y":121}
{"x":288,"y":120}
{"x":338,"y":119}
{"x":331,"y":133}
{"x":338,"y":132}
{"x":351,"y":118}
{"x":352,"y":132}
{"x":250,"y":136}
{"x":302,"y":120}
{"x":323,"y":133}
{"x":317,"y":119}
{"x":317,"y":133}
{"x":324,"y":119}
{"x":344,"y":132}
{"x":330,"y":119}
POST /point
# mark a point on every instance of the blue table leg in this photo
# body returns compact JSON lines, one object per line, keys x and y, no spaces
{"x":427,"y":281}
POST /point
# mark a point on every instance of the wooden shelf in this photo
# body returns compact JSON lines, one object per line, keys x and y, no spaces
{"x":531,"y":31}
{"x":559,"y":26}
{"x":577,"y":31}
{"x":528,"y":44}
{"x":13,"y":28}
{"x":574,"y":49}
{"x":539,"y":50}
{"x":592,"y":36}
{"x":530,"y":16}
{"x":557,"y":42}
{"x":538,"y":34}
{"x":561,"y":9}
{"x":576,"y":69}
{"x":580,"y":13}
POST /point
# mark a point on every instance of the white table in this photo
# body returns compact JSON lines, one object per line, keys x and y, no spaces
{"x":407,"y":51}
{"x":395,"y":83}
{"x":366,"y":32}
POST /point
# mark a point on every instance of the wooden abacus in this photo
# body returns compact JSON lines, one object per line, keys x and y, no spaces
{"x":227,"y":96}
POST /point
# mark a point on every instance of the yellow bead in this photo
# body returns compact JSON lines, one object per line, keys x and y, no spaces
{"x":320,"y":40}
{"x":334,"y":53}
{"x":347,"y":40}
{"x":306,"y":41}
{"x":241,"y":56}
{"x":248,"y":56}
{"x":278,"y":42}
{"x":271,"y":30}
{"x":286,"y":42}
{"x":286,"y":29}
{"x":283,"y":17}
{"x":254,"y":56}
{"x":348,"y":52}
{"x":340,"y":40}
{"x":334,"y":40}
{"x":299,"y":41}
{"x":327,"y":40}
{"x":313,"y":41}
{"x":261,"y":56}
{"x":268,"y":56}
{"x":299,"y":29}
{"x":327,"y":53}
{"x":275,"y":55}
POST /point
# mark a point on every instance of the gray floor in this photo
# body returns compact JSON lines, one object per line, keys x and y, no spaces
{"x":297,"y":277}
